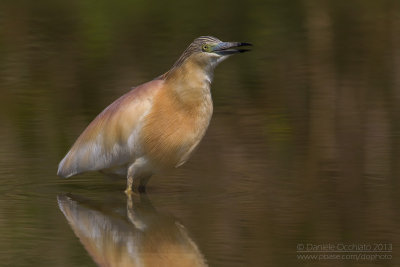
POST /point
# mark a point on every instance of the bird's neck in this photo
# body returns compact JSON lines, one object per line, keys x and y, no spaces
{"x":191,"y":81}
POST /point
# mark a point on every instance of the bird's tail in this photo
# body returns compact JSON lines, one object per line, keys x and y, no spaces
{"x":65,"y":168}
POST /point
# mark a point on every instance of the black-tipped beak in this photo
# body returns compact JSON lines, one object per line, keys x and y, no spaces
{"x":229,"y":48}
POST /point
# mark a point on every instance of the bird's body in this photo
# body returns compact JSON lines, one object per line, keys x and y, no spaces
{"x":156,"y":125}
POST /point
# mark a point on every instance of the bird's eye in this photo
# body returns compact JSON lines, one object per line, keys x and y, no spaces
{"x":205,"y":48}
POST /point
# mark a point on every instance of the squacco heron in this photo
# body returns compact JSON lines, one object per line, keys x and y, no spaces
{"x":155,"y":126}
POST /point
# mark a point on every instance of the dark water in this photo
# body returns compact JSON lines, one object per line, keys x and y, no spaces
{"x":303,"y":148}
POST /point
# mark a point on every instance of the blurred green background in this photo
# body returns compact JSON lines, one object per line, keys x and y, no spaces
{"x":303,"y":147}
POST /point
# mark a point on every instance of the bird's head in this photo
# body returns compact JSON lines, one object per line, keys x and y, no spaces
{"x":213,"y":47}
{"x":209,"y":51}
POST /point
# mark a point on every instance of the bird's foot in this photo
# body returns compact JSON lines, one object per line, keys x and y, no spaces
{"x":141,"y":189}
{"x":129,"y":191}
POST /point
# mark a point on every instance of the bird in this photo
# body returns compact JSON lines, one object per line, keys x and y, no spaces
{"x":155,"y":126}
{"x":142,"y":236}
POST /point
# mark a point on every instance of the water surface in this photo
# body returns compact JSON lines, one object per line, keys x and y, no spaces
{"x":303,"y":147}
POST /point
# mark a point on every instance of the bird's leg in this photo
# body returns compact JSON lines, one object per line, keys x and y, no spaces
{"x":133,"y":211}
{"x":129,"y":184}
{"x":138,"y":176}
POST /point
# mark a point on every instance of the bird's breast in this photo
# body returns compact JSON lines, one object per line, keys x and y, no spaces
{"x":175,"y":125}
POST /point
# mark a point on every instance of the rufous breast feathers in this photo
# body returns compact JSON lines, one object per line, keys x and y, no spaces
{"x":174,"y":128}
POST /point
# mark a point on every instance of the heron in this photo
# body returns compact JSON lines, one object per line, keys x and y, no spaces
{"x":155,"y":126}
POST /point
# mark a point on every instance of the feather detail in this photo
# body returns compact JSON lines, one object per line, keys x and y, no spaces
{"x":107,"y":142}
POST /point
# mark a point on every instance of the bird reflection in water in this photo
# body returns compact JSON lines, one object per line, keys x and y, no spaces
{"x":141,"y":237}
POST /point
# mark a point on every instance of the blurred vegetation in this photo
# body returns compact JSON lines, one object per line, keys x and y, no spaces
{"x":304,"y":144}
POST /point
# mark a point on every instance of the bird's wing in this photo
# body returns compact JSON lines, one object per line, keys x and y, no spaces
{"x":110,"y":139}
